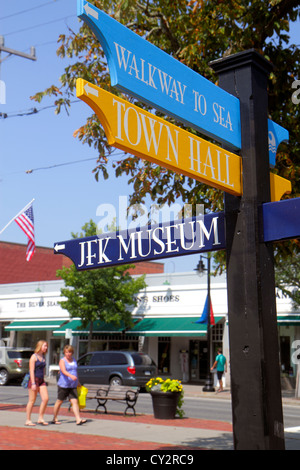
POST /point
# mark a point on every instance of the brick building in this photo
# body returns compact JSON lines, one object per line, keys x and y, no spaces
{"x":43,"y":266}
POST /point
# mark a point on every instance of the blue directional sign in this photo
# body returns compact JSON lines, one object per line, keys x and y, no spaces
{"x":146,"y":72}
{"x":281,"y":220}
{"x":276,"y":135}
{"x":193,"y":235}
{"x":149,"y":74}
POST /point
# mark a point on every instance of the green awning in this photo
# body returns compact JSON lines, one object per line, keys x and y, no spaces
{"x":30,"y":325}
{"x":167,"y":326}
{"x":290,"y":320}
{"x":72,"y":325}
{"x":174,"y":326}
{"x":99,"y":327}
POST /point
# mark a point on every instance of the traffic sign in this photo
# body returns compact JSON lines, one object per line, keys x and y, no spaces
{"x":151,"y":242}
{"x":143,"y":134}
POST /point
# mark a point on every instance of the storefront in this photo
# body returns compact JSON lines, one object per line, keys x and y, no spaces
{"x":165,"y":324}
{"x":30,"y":312}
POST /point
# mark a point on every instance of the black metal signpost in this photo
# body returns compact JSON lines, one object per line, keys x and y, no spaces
{"x":254,"y":352}
{"x":250,"y":221}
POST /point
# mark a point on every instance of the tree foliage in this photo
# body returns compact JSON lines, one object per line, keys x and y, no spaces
{"x":106,"y":293}
{"x":194,"y":32}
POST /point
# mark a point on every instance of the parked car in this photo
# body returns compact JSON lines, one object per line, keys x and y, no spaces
{"x":116,"y":367}
{"x":14,"y":363}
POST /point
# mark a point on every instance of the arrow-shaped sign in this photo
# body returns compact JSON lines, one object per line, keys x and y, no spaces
{"x":58,"y":247}
{"x":91,"y":11}
{"x":193,"y":235}
{"x":183,"y":237}
{"x":143,"y":134}
{"x":146,"y":72}
{"x":90,"y":90}
{"x":281,"y":220}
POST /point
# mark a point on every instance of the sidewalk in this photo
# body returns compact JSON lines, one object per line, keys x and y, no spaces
{"x":111,"y":432}
{"x":115,"y":432}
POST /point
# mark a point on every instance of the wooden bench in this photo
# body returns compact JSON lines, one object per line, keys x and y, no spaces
{"x":120,"y":393}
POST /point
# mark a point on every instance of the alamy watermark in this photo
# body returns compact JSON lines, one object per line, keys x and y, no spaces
{"x":2,"y":92}
{"x":296,"y":353}
{"x":138,"y":216}
{"x":296,"y":94}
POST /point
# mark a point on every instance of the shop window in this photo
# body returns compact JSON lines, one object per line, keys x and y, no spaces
{"x":107,"y":342}
{"x":285,"y":351}
{"x":217,"y":332}
{"x":164,"y":350}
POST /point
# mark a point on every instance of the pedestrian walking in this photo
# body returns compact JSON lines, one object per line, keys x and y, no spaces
{"x":220,"y":364}
{"x":37,"y":384}
{"x":67,"y":385}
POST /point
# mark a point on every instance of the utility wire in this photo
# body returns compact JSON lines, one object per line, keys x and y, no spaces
{"x":29,"y":9}
{"x":38,"y":25}
{"x":59,"y":164}
{"x":31,"y":111}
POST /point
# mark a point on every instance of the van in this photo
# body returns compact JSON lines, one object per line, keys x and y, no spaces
{"x":116,"y":368}
{"x":14,"y":363}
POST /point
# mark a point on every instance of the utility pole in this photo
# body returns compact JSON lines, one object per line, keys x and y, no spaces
{"x":10,"y":52}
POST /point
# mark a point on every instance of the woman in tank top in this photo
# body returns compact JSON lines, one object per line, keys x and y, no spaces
{"x":67,"y":385}
{"x":37,"y":364}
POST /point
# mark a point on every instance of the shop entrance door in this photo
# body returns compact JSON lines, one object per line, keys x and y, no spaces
{"x":198,"y":360}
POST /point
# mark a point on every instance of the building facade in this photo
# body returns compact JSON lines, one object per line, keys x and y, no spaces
{"x":165,"y":322}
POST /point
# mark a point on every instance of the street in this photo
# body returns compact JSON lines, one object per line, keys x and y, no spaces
{"x":212,"y":408}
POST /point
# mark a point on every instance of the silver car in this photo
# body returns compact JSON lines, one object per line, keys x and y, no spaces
{"x":14,"y":363}
{"x":116,"y":367}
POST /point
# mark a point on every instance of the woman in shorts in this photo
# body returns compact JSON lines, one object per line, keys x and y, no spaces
{"x":37,"y":364}
{"x":67,"y":385}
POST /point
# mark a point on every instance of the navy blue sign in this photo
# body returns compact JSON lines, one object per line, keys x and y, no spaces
{"x":193,"y":235}
{"x":281,"y":220}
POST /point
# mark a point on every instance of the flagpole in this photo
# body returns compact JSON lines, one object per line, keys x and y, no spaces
{"x":208,"y":387}
{"x":19,"y":213}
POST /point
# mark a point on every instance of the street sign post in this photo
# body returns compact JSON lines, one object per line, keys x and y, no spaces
{"x":238,"y":118}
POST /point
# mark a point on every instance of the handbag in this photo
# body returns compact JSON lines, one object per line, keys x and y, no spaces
{"x":82,"y":393}
{"x":25,"y":380}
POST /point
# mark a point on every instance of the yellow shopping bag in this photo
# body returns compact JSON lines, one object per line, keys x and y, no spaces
{"x":82,"y":393}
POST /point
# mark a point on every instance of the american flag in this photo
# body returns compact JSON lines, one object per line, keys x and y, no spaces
{"x":26,"y":223}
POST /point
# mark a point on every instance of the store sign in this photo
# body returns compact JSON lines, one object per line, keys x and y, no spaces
{"x":193,"y":235}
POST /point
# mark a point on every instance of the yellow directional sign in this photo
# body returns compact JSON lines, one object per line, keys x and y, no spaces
{"x":145,"y":135}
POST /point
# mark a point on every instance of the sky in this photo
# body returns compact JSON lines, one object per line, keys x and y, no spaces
{"x":61,"y":181}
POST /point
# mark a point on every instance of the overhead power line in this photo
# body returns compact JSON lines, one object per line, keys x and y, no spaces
{"x":31,"y":111}
{"x":29,"y":9}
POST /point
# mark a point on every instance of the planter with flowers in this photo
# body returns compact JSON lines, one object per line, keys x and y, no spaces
{"x":167,"y":397}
